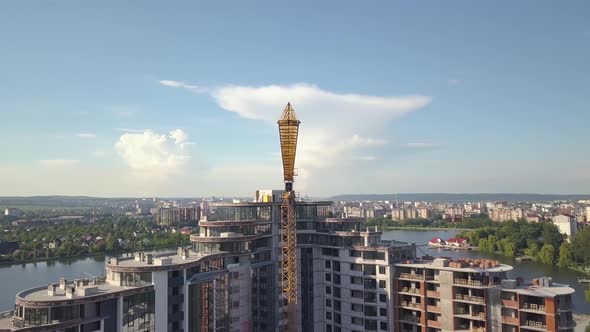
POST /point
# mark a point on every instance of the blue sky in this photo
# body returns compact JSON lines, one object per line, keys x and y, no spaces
{"x":393,"y":96}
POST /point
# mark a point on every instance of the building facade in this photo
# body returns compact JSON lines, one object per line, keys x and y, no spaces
{"x":176,"y":216}
{"x":476,"y":295}
{"x":567,"y":225}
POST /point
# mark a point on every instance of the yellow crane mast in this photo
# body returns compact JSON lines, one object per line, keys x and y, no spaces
{"x":288,"y":131}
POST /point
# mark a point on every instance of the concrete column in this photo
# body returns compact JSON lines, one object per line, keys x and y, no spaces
{"x":120,"y":314}
{"x":186,"y":303}
{"x":160,"y":280}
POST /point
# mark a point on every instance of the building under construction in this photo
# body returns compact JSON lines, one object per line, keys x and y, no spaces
{"x":279,"y":264}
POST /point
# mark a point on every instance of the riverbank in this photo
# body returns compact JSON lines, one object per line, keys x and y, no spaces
{"x":425,"y":228}
{"x":87,"y":255}
{"x":500,"y":253}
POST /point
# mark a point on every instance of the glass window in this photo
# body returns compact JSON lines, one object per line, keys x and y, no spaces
{"x":139,"y":313}
{"x":336,"y":266}
{"x":337,"y":305}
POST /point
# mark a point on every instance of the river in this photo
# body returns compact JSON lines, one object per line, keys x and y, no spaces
{"x":22,"y":276}
{"x":525,"y":269}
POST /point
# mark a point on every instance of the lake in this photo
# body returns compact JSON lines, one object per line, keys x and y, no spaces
{"x":22,"y":276}
{"x":525,"y":269}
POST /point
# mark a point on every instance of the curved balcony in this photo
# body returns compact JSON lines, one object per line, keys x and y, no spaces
{"x":225,"y":237}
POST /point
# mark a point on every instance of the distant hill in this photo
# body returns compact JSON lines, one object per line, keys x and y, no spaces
{"x":444,"y":197}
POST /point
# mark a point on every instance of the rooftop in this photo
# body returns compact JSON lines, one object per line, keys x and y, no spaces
{"x":76,"y":290}
{"x":440,"y":264}
{"x":545,"y":291}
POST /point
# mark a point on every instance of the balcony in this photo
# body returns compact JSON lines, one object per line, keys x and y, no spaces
{"x":468,"y":283}
{"x":510,"y":304}
{"x":479,"y":315}
{"x":410,"y":276}
{"x":434,"y":308}
{"x":411,"y":305}
{"x":468,"y":298}
{"x":410,"y":291}
{"x":410,"y":319}
{"x":537,"y":308}
{"x":510,"y":320}
{"x":534,"y":325}
{"x":431,"y":293}
{"x":434,"y":323}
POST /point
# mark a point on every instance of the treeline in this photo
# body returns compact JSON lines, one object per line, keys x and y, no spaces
{"x":471,"y":223}
{"x":76,"y":239}
{"x":540,"y":241}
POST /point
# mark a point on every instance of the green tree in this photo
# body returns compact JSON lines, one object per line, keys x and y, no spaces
{"x":509,"y":247}
{"x":532,"y":250}
{"x":566,"y":256}
{"x":547,"y":254}
{"x":581,"y":246}
{"x":551,"y":235}
{"x":492,"y":242}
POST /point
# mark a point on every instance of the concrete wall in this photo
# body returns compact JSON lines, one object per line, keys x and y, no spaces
{"x":494,"y":310}
{"x":446,"y":300}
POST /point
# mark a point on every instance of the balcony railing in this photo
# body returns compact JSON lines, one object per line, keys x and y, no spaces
{"x":535,"y":324}
{"x":410,"y":290}
{"x":411,"y":276}
{"x":410,"y":319}
{"x":477,"y":299}
{"x":411,"y":305}
{"x":480,"y":315}
{"x":534,"y":307}
{"x":475,"y":283}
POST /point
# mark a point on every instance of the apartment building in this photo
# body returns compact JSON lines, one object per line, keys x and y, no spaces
{"x":476,"y":295}
{"x":346,"y":276}
{"x":349,"y":280}
{"x":175,"y":216}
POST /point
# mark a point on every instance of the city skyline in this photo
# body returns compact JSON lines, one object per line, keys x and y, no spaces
{"x":158,"y":101}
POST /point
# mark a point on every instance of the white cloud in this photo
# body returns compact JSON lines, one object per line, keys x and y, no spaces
{"x":58,"y":162}
{"x":336,"y":128}
{"x":153,"y":153}
{"x":455,"y":81}
{"x":86,"y":135}
{"x":178,"y":135}
{"x":183,"y":85}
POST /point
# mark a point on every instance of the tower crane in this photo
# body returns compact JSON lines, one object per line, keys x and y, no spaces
{"x":288,"y":131}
